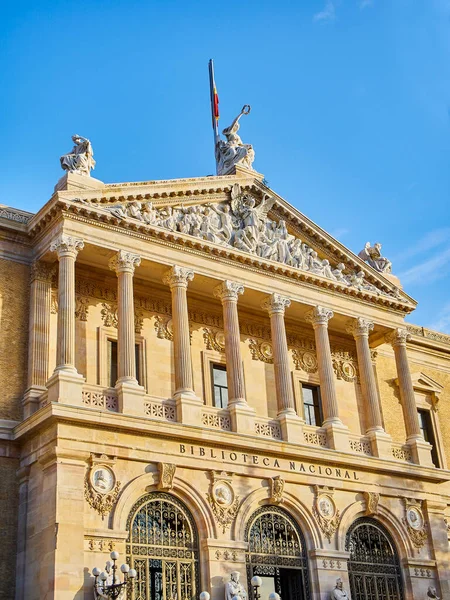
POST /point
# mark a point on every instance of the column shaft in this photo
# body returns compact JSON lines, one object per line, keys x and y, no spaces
{"x":276,"y":306}
{"x":228,"y":292}
{"x":177,"y":278}
{"x":39,"y":324}
{"x":360,"y":330}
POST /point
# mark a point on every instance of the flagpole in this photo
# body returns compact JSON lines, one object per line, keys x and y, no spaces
{"x":214,"y":107}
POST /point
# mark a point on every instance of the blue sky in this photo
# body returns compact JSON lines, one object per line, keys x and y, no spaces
{"x":350,"y":109}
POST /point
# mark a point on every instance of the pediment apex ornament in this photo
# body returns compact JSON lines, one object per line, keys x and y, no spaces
{"x":371,"y":499}
{"x":414,"y":522}
{"x":276,"y":486}
{"x":228,"y":290}
{"x":101,"y":488}
{"x":67,"y":245}
{"x":359,"y":327}
{"x":275,"y":303}
{"x":234,"y":152}
{"x":178,"y":276}
{"x":166,"y":472}
{"x":319,"y":315}
{"x":325,"y":511}
{"x":222,"y":498}
{"x":124,"y":262}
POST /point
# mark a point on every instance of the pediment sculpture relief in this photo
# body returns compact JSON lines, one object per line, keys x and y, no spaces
{"x":243,"y":224}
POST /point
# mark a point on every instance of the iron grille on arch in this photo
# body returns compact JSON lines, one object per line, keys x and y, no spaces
{"x":373,"y":566}
{"x":277,"y":553}
{"x":162,"y":546}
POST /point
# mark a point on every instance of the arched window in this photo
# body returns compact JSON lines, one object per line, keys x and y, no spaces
{"x":162,"y":546}
{"x":277,"y":553}
{"x":373,"y":566}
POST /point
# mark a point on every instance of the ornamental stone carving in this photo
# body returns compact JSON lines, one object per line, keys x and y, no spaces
{"x":81,"y":159}
{"x":372,"y":255}
{"x":261,"y":350}
{"x":222,"y":499}
{"x":305,"y":360}
{"x":359,"y":326}
{"x":398,"y":337}
{"x":325,"y":511}
{"x":124,"y":262}
{"x":42,"y":272}
{"x":242,"y":223}
{"x":110,"y":316}
{"x":214,"y":339}
{"x":178,"y":276}
{"x":344,"y":365}
{"x":81,"y":307}
{"x":228,"y":290}
{"x":319,"y":315}
{"x":66,"y":245}
{"x":166,"y":473}
{"x":432,"y":593}
{"x":338,"y":593}
{"x":276,"y":485}
{"x":164,"y":328}
{"x":234,"y":152}
{"x":415,"y":522}
{"x":234,"y":588}
{"x":275,"y":303}
{"x":101,"y":488}
{"x":371,"y":500}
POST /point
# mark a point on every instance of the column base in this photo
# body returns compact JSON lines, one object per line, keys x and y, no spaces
{"x":189,"y":409}
{"x":242,"y":418}
{"x":130,"y":398}
{"x":420,"y":452}
{"x":291,"y":427}
{"x":65,"y":386}
{"x":381,"y":443}
{"x":31,"y":399}
{"x":337,"y":436}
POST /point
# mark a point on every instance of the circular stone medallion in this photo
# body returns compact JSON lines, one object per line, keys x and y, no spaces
{"x":102,"y":479}
{"x":309,"y":362}
{"x":414,"y":518}
{"x":266,"y":350}
{"x":223,"y":493}
{"x":326,"y":507}
{"x":220,"y":339}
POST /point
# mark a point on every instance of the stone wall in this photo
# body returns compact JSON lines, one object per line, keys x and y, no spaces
{"x":9,"y":503}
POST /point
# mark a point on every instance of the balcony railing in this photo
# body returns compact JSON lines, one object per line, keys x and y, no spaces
{"x":401,"y":452}
{"x":360,"y":444}
{"x":315,"y":436}
{"x":269,"y":428}
{"x":96,"y":396}
{"x":156,"y":408}
{"x":216,"y":418}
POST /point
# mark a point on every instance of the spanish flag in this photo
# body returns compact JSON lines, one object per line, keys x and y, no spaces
{"x":214,"y":99}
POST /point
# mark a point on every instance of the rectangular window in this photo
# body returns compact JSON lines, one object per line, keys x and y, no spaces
{"x":220,"y":386}
{"x":312,"y":405}
{"x":112,"y":362}
{"x":426,"y":427}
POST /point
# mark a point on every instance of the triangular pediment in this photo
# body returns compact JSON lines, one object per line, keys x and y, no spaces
{"x":240,"y":214}
{"x":423,"y":383}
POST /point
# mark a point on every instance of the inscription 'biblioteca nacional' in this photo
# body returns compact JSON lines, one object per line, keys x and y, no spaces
{"x":244,"y":458}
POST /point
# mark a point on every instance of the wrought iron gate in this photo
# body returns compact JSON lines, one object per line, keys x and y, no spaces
{"x":373,"y":566}
{"x":277,"y":549}
{"x":163,"y":548}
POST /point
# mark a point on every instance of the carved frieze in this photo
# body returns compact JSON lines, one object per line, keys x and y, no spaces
{"x":325,"y":511}
{"x":414,"y":522}
{"x":166,"y":473}
{"x":222,"y":499}
{"x":261,"y":350}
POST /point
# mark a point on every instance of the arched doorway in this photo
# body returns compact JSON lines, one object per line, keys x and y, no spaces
{"x":277,"y":553}
{"x":373,"y":566}
{"x":162,"y":546}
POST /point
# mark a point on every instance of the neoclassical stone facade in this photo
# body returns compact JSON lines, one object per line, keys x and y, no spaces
{"x":197,"y":376}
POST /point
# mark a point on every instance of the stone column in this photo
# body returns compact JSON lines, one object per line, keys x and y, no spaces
{"x":420,"y":449}
{"x":291,"y":424}
{"x":130,"y":393}
{"x":65,"y":385}
{"x":242,"y":416}
{"x":39,"y":335}
{"x":188,"y":405}
{"x":380,"y":441}
{"x":337,"y":433}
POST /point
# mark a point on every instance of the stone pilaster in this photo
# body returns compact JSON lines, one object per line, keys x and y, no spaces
{"x":420,"y":449}
{"x":65,"y":385}
{"x":242,"y":416}
{"x":23,"y":476}
{"x":360,"y":328}
{"x":291,"y":424}
{"x":130,"y":394}
{"x":337,"y":433}
{"x":39,"y":335}
{"x":435,"y":512}
{"x":188,"y":405}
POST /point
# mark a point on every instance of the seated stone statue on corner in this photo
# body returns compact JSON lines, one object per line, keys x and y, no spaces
{"x":234,"y":588}
{"x":338,"y":593}
{"x":81,"y":159}
{"x":372,"y":256}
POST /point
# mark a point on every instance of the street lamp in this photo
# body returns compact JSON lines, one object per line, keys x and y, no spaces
{"x":107,"y":584}
{"x":256,"y":584}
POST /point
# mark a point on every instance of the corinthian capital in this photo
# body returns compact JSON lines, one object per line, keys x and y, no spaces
{"x":124,"y":262}
{"x":178,"y":276}
{"x":228,"y":290}
{"x":42,"y":272}
{"x":275,"y":303}
{"x":397,"y":337}
{"x":319,"y":315}
{"x":359,"y":326}
{"x":66,"y":245}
